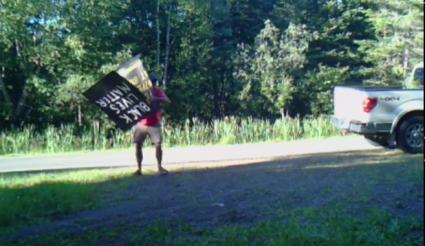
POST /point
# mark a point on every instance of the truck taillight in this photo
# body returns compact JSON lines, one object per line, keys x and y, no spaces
{"x":369,"y":104}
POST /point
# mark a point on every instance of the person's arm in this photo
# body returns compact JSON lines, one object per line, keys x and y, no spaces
{"x":160,"y":96}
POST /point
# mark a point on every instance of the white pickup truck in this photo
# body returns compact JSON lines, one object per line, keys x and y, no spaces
{"x":391,"y":117}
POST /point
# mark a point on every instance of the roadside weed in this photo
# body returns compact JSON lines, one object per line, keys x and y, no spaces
{"x":230,"y":130}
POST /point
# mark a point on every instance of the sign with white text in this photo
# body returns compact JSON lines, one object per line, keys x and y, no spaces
{"x":120,"y":100}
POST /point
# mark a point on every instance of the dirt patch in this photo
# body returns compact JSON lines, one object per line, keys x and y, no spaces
{"x":258,"y":190}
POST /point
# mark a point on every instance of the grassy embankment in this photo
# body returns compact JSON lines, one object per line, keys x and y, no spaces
{"x":230,"y":131}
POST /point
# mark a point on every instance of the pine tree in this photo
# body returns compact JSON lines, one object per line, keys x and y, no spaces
{"x":272,"y":66}
{"x":398,"y":42}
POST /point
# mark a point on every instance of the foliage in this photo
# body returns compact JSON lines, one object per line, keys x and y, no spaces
{"x":216,"y":58}
{"x":272,"y":68}
{"x":320,"y":95}
{"x":192,"y":87}
{"x":398,"y":43}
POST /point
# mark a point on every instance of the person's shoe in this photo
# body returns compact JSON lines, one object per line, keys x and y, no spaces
{"x":138,"y":173}
{"x":162,"y":172}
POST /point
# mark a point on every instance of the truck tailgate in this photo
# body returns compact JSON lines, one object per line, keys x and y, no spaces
{"x":348,"y":103}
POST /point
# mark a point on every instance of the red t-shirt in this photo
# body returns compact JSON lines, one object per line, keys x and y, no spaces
{"x":155,"y":119}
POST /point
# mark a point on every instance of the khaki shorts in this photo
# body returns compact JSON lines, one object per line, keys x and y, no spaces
{"x":140,"y":132}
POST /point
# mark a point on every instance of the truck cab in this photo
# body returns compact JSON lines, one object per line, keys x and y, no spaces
{"x":416,"y":78}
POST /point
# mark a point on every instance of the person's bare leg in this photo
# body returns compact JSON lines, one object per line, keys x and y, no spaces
{"x":139,"y":158}
{"x":158,"y":153}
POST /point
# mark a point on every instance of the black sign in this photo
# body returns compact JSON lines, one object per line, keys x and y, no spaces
{"x":120,"y":100}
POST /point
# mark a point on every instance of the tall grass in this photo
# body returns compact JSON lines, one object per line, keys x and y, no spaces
{"x":230,"y":130}
{"x":318,"y":127}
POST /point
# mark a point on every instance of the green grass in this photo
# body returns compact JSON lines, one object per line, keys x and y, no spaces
{"x":299,"y":227}
{"x":230,"y":130}
{"x":27,"y":198}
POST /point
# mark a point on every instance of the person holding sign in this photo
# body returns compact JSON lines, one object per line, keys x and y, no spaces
{"x":151,"y":127}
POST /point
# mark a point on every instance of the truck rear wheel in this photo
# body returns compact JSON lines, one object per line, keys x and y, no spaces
{"x":410,"y":135}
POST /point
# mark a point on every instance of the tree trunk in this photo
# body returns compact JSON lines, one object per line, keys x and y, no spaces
{"x":167,"y":50}
{"x":21,"y":101}
{"x":158,"y":36}
{"x":3,"y":88}
{"x":406,"y":60}
{"x":282,"y":113}
{"x":80,"y":116}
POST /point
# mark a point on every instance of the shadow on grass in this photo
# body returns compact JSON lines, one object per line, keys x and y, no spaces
{"x":213,"y":196}
{"x":33,"y":197}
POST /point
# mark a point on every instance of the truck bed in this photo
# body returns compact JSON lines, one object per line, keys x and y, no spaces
{"x":348,"y":102}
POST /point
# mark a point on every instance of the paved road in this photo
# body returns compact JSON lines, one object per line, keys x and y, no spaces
{"x":184,"y":155}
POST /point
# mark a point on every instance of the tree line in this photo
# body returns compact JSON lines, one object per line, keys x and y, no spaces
{"x":260,"y":58}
